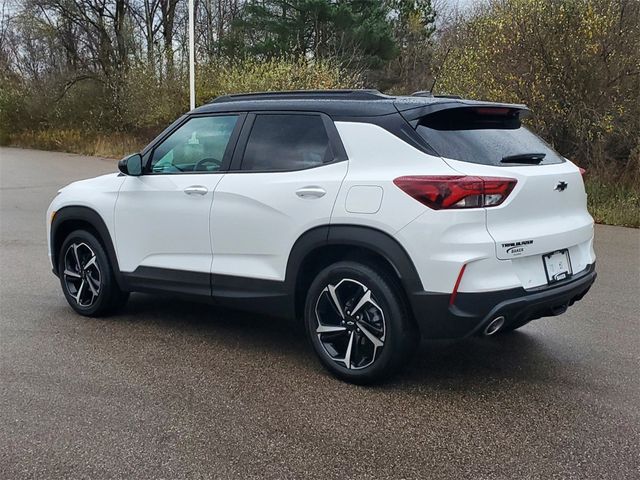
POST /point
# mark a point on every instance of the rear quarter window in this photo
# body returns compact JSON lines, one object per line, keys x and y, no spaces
{"x":483,"y":135}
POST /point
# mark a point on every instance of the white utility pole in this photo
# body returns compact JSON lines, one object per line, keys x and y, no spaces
{"x":192,"y":58}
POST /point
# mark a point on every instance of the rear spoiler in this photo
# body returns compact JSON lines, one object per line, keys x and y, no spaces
{"x":413,"y":113}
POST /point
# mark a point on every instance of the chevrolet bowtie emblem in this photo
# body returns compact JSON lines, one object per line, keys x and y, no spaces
{"x":561,"y":187}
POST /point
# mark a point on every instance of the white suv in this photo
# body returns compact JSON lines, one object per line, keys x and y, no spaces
{"x":374,"y":219}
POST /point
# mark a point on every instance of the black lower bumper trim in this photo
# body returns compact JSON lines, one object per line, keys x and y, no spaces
{"x":472,"y":311}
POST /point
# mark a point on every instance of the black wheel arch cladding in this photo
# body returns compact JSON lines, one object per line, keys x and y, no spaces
{"x":68,"y":219}
{"x":376,"y":241}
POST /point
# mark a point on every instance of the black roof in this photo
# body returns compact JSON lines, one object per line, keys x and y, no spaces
{"x":342,"y":103}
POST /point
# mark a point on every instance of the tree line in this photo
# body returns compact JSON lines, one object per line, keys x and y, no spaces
{"x":78,"y":68}
{"x":61,"y":49}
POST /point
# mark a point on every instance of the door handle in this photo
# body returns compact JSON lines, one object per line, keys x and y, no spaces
{"x":196,"y":190}
{"x":311,"y":192}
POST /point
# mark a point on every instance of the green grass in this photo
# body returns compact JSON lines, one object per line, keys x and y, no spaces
{"x":613,"y":203}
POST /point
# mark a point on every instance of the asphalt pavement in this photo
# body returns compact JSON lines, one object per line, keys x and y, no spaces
{"x":172,"y":389}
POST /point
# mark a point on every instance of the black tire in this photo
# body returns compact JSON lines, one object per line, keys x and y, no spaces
{"x":90,"y":289}
{"x":399,"y":335}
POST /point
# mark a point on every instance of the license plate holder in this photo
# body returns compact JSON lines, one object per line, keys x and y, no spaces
{"x":557,"y":265}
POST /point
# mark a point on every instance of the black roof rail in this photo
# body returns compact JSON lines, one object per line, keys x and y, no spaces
{"x":338,"y":94}
{"x":427,"y":93}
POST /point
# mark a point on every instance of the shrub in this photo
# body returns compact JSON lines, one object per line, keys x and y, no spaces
{"x":271,"y":75}
{"x":80,"y":119}
{"x":114,"y":145}
{"x":575,"y":63}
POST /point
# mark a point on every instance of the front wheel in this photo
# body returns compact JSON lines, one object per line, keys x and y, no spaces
{"x":86,"y":276}
{"x":358,"y":322}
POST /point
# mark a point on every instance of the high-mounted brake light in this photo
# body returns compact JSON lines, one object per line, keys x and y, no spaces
{"x":499,"y":111}
{"x":445,"y":192}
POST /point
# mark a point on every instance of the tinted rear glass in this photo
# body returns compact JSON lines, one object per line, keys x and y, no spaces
{"x":483,"y":135}
{"x":286,"y":142}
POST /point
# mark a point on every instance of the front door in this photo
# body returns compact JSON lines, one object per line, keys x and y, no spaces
{"x":162,"y":217}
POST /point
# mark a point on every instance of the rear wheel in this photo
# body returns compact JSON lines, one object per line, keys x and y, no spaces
{"x":358,"y":323}
{"x":86,"y":276}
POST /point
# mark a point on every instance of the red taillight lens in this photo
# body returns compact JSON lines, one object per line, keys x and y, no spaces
{"x":443,"y":192}
{"x":582,"y":171}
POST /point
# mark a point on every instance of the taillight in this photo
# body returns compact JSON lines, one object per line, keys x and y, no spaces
{"x":582,"y":171}
{"x":444,"y":192}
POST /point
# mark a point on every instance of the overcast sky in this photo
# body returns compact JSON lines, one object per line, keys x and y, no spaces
{"x":460,"y":3}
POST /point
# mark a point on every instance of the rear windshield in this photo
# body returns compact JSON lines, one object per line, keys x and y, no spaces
{"x":489,"y":136}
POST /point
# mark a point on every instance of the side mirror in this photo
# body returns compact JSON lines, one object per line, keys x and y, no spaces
{"x":131,"y":165}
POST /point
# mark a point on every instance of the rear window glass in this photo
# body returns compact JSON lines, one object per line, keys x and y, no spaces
{"x":286,"y":142}
{"x":489,"y":136}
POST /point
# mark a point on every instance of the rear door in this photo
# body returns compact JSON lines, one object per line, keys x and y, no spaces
{"x":547,"y":210}
{"x":284,"y":179}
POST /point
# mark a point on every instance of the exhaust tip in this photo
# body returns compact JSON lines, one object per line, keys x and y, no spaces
{"x":494,"y":325}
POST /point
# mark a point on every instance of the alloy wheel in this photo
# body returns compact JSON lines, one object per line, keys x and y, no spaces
{"x":81,"y":274}
{"x":350,"y":324}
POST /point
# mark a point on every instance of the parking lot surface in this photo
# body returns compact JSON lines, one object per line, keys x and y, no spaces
{"x":172,"y":389}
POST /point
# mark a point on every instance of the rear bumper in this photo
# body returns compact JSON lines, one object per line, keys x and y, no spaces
{"x":473,"y":311}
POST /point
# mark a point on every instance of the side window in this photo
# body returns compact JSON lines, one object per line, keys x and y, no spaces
{"x":286,"y":142}
{"x":197,"y":146}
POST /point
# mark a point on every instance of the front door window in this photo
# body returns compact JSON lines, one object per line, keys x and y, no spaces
{"x":199,"y":145}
